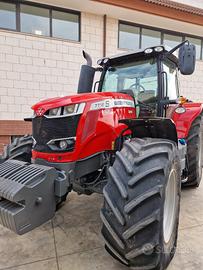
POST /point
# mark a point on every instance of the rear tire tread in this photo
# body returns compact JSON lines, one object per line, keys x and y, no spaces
{"x":132,"y":222}
{"x":130,"y":232}
{"x":133,"y":181}
{"x":121,"y":187}
{"x":130,"y":206}
{"x":193,"y":142}
{"x":112,"y":231}
{"x":114,"y":208}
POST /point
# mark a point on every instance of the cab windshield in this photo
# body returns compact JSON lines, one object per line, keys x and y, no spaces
{"x":138,"y":76}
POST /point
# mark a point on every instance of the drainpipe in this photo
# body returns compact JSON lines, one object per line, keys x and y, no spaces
{"x":104,"y":34}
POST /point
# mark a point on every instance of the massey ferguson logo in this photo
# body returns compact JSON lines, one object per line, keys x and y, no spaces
{"x":109,"y":103}
{"x":40,"y":111}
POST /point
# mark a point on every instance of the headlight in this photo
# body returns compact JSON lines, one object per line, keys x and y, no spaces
{"x":55,"y":111}
{"x":70,"y":109}
{"x":180,"y":110}
{"x":159,"y":49}
{"x":74,"y":109}
{"x":63,"y":145}
{"x":148,"y":51}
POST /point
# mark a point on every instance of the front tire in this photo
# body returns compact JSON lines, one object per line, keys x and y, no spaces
{"x":141,"y":204}
{"x":19,"y":149}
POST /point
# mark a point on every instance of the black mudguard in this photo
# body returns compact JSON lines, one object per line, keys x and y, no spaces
{"x":163,"y":128}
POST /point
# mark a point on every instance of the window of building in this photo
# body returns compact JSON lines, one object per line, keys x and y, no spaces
{"x":150,"y":38}
{"x":129,"y":37}
{"x":34,"y":20}
{"x":65,"y":25}
{"x":172,"y":40}
{"x":202,"y":50}
{"x":134,"y":36}
{"x":7,"y":15}
{"x":39,"y":19}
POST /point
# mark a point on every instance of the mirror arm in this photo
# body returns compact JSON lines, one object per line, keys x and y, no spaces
{"x":177,"y":47}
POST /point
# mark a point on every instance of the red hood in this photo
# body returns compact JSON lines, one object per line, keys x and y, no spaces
{"x":51,"y":103}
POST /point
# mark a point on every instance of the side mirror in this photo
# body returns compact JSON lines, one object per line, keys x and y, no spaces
{"x":187,"y":58}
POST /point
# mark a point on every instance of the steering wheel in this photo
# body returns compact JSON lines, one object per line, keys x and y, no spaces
{"x":137,"y":85}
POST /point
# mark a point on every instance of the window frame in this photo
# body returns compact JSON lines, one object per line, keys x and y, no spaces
{"x":48,"y":7}
{"x":161,"y":30}
{"x":140,"y":58}
{"x":164,"y":63}
{"x":129,"y":24}
{"x":148,"y":28}
{"x":65,"y":11}
{"x":16,"y":5}
{"x":38,"y":6}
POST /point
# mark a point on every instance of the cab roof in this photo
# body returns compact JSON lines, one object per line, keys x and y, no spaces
{"x":139,"y":54}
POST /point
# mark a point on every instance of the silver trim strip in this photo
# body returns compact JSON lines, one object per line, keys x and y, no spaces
{"x":60,"y":139}
{"x":78,"y":110}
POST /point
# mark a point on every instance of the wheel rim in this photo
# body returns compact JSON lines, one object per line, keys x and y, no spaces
{"x":170,"y":206}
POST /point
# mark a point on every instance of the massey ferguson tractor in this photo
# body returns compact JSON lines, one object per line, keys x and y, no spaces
{"x":130,"y":136}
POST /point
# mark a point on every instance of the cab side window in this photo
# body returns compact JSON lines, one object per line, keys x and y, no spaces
{"x":172,"y":81}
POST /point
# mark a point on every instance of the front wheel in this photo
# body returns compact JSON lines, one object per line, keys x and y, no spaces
{"x":141,"y":204}
{"x":19,"y":149}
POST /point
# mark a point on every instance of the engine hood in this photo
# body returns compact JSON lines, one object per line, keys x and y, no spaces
{"x":52,"y":103}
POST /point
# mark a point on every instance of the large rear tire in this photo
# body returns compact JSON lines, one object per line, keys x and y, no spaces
{"x":141,"y":204}
{"x":194,"y":154}
{"x":19,"y":149}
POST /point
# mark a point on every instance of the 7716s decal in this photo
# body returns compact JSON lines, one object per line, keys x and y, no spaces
{"x":109,"y":103}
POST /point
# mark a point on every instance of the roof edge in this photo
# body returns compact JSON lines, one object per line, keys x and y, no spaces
{"x":161,"y":8}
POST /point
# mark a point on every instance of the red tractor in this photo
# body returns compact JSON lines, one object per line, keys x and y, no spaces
{"x":130,"y":137}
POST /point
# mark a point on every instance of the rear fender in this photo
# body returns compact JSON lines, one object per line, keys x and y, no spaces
{"x":184,"y":121}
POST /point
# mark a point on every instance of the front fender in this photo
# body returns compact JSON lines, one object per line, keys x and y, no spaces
{"x":184,"y":121}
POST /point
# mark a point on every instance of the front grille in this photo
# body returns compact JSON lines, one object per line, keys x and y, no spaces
{"x":46,"y":129}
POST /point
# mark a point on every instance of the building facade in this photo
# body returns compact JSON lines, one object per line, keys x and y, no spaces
{"x":41,"y":45}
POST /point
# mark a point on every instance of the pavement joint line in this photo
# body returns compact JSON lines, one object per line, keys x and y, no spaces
{"x":78,"y":252}
{"x":186,"y":228}
{"x":28,"y":263}
{"x":57,"y":262}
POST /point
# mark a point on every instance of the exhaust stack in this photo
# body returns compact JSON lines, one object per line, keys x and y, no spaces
{"x":87,"y":73}
{"x":88,"y":58}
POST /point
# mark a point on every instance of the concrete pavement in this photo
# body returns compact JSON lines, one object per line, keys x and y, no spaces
{"x":72,"y":240}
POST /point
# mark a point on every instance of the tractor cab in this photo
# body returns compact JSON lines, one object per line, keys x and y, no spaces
{"x":150,"y":76}
{"x":137,"y":78}
{"x":145,"y":76}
